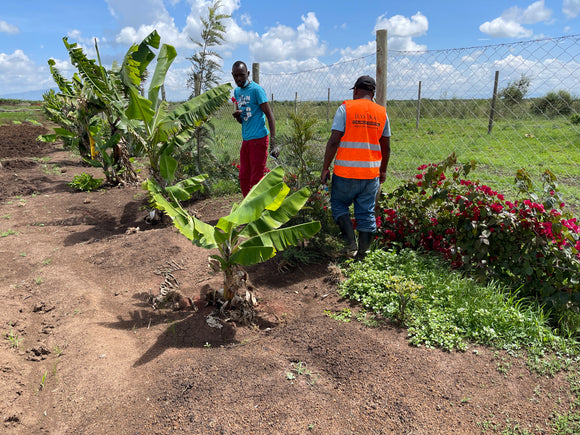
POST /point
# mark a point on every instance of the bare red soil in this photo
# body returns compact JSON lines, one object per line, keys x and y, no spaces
{"x":84,"y":352}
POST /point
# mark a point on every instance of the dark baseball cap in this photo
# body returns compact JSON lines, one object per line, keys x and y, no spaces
{"x":366,"y":83}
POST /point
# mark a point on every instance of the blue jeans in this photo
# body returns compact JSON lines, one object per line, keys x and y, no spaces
{"x":346,"y":191}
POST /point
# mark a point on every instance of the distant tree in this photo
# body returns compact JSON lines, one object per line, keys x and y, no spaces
{"x":205,"y":62}
{"x":515,"y":91}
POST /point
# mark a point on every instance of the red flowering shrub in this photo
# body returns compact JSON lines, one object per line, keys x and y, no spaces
{"x":530,"y":243}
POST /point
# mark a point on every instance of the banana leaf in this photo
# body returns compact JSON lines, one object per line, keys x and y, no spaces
{"x":272,"y":219}
{"x":281,"y":239}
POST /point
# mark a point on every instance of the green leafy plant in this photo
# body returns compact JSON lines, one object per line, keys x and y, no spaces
{"x":85,"y":182}
{"x":90,"y":112}
{"x":252,"y":233}
{"x":298,"y":152}
{"x":300,"y":369}
{"x":43,"y":381}
{"x":14,"y":339}
{"x":343,"y":315}
{"x":152,"y":127}
{"x":448,"y":310}
{"x":8,"y":233}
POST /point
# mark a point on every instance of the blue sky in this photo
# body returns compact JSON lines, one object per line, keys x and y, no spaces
{"x":283,"y":36}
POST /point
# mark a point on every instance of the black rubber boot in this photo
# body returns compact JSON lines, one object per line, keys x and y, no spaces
{"x":365,"y":239}
{"x":347,"y":231}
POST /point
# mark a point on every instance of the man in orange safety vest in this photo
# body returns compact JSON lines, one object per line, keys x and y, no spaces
{"x":359,"y":144}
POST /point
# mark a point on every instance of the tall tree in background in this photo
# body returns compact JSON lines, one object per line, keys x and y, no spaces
{"x":205,"y":67}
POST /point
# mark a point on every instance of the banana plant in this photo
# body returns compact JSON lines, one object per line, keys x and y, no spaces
{"x":156,"y":130}
{"x":251,"y":233}
{"x":95,"y":102}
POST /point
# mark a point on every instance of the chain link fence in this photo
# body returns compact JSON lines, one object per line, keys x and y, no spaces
{"x":455,"y":100}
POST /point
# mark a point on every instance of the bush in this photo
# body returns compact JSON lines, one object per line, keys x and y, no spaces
{"x":531,"y":244}
{"x":575,"y":119}
{"x":553,"y":104}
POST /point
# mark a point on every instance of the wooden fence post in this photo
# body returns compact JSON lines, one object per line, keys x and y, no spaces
{"x":328,"y":107}
{"x":381,"y":94}
{"x":256,"y":72}
{"x":492,"y":112}
{"x":418,"y":106}
{"x":295,"y":103}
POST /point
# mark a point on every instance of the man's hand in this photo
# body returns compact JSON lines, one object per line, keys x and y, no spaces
{"x":274,"y":150}
{"x":325,"y":176}
{"x":382,"y":177}
{"x":238,"y":115}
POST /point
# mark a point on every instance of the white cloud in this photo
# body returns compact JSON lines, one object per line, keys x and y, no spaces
{"x":8,"y":28}
{"x":404,"y":43}
{"x":401,"y":31}
{"x":401,"y":26}
{"x":135,"y":13}
{"x":360,"y":51}
{"x":571,"y":8}
{"x":473,"y":57}
{"x":510,"y":23}
{"x":19,"y":74}
{"x":500,"y":28}
{"x":282,"y":42}
{"x":534,"y":13}
{"x":246,"y":20}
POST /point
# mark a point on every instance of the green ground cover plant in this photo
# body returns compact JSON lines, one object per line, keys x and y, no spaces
{"x":85,"y":182}
{"x":448,"y":310}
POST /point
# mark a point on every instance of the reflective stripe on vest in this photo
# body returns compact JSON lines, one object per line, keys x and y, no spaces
{"x":359,"y":154}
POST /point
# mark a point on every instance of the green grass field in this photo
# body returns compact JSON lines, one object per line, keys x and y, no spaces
{"x":518,"y":139}
{"x":17,"y":111}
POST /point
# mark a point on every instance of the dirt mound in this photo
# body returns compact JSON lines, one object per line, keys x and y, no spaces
{"x":83,"y":351}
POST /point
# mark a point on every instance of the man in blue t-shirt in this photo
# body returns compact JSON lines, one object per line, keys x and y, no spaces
{"x":252,"y":111}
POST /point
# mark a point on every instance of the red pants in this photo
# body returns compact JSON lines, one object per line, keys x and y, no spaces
{"x":253,"y":157}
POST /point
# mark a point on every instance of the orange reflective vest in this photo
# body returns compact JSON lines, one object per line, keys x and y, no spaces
{"x":359,"y":154}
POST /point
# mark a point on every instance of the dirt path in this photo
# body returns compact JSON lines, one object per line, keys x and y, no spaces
{"x":83,"y":351}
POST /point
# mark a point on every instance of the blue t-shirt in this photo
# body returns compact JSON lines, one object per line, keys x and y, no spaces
{"x":249,"y":99}
{"x":339,"y":122}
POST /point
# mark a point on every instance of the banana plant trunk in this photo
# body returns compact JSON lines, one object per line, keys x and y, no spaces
{"x":230,"y":284}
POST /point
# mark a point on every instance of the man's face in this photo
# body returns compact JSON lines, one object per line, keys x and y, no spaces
{"x":240,"y":75}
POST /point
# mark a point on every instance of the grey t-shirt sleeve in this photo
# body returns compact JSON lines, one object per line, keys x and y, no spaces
{"x":339,"y":121}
